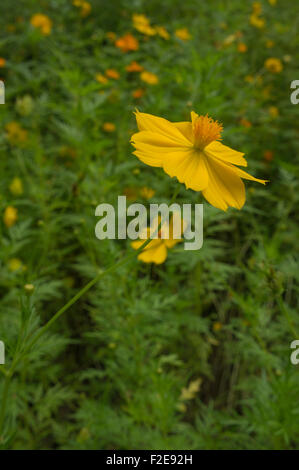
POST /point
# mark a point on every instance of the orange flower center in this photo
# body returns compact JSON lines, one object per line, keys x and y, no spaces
{"x":205,"y":130}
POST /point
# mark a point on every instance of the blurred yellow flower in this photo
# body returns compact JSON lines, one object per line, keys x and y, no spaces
{"x":183,"y":34}
{"x":149,"y":78}
{"x":127,"y":43}
{"x":15,"y":133}
{"x":273,"y":65}
{"x":269,"y":44}
{"x":190,"y":392}
{"x":257,"y":8}
{"x":217,"y":326}
{"x":191,"y":151}
{"x":109,"y":127}
{"x":2,"y":62}
{"x":242,"y":47}
{"x":272,"y":2}
{"x":41,"y":22}
{"x":142,"y":24}
{"x":24,"y":105}
{"x":14,"y":264}
{"x":156,"y":251}
{"x":257,"y":21}
{"x":101,"y":78}
{"x":16,"y":187}
{"x":273,"y":111}
{"x":112,"y":73}
{"x":249,"y":79}
{"x":10,"y":216}
{"x":138,"y":93}
{"x":162,"y":32}
{"x":134,"y":67}
{"x":85,"y":7}
{"x":147,"y":193}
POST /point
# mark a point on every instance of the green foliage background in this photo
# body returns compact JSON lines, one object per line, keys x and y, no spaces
{"x":110,"y":373}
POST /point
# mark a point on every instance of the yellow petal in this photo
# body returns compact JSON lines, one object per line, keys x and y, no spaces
{"x":247,"y":176}
{"x":148,"y":122}
{"x":189,"y":167}
{"x":186,"y":129}
{"x":155,"y":252}
{"x":217,"y":150}
{"x":155,"y":139}
{"x":225,"y":187}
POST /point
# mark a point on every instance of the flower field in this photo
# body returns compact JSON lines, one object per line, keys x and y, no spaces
{"x":120,"y":344}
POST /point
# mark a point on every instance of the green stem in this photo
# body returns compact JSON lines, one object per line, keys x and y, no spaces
{"x":63,"y":309}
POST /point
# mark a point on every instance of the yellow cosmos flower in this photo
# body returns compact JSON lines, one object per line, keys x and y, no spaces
{"x":84,"y":6}
{"x":149,"y":78}
{"x":16,"y":187}
{"x":156,"y":251}
{"x":183,"y":34}
{"x":15,"y":264}
{"x":101,"y":78}
{"x":273,"y":65}
{"x":15,"y":133}
{"x":273,"y":111}
{"x":242,"y":47}
{"x":162,"y":32}
{"x":112,"y":73}
{"x":10,"y":216}
{"x":191,"y":151}
{"x":257,"y":21}
{"x":142,"y":24}
{"x":41,"y":22}
{"x":2,"y":62}
{"x":147,"y":193}
{"x":127,"y":43}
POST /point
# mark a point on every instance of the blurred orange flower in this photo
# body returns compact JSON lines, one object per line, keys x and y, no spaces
{"x":112,"y":73}
{"x":183,"y":34}
{"x":2,"y":62}
{"x":242,"y":47}
{"x":109,"y":127}
{"x":138,"y":93}
{"x":127,"y":43}
{"x":149,"y":78}
{"x":134,"y":67}
{"x":268,"y":155}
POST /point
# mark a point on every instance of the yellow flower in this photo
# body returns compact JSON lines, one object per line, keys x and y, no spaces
{"x":109,"y":127}
{"x":257,"y":21}
{"x":156,"y":250}
{"x":191,"y":151}
{"x":162,"y":32}
{"x":242,"y":47}
{"x":183,"y":34}
{"x":127,"y":43}
{"x":112,"y":73}
{"x":142,"y":24}
{"x":15,"y":133}
{"x":16,"y":187}
{"x":273,"y":111}
{"x":272,"y":2}
{"x":217,"y":326}
{"x":257,"y":8}
{"x":101,"y":78}
{"x":138,"y":93}
{"x":134,"y":67}
{"x":273,"y":65}
{"x":14,"y":264}
{"x":269,"y":43}
{"x":10,"y":216}
{"x":2,"y":62}
{"x":147,"y":193}
{"x":149,"y":78}
{"x":84,"y":6}
{"x":42,"y":22}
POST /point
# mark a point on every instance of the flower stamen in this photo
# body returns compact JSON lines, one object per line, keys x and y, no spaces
{"x":205,"y":130}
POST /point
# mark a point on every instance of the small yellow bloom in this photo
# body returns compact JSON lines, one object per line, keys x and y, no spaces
{"x":134,"y":67}
{"x":85,"y":7}
{"x":112,"y":73}
{"x":127,"y":43}
{"x":272,"y":2}
{"x":149,"y":78}
{"x":273,"y":65}
{"x":217,"y":326}
{"x":162,"y":32}
{"x":109,"y":127}
{"x":242,"y":47}
{"x":14,"y":264}
{"x":41,"y":22}
{"x":10,"y":216}
{"x":101,"y":78}
{"x":191,"y":151}
{"x":138,"y":93}
{"x":273,"y":111}
{"x":29,"y":288}
{"x":147,"y":193}
{"x":257,"y":8}
{"x":156,"y":251}
{"x":142,"y":24}
{"x":183,"y":34}
{"x":16,"y":187}
{"x":257,"y":21}
{"x":15,"y":133}
{"x":2,"y":62}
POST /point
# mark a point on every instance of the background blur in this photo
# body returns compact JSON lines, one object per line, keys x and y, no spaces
{"x":191,"y":354}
